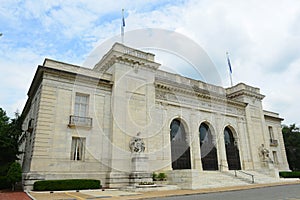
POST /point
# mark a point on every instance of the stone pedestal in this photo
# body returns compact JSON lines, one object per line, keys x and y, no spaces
{"x":273,"y":171}
{"x":140,"y":169}
{"x":139,"y":162}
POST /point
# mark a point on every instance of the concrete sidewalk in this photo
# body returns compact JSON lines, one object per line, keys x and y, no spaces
{"x":118,"y":194}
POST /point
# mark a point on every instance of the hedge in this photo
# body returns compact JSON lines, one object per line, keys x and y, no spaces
{"x":69,"y":184}
{"x":295,"y":174}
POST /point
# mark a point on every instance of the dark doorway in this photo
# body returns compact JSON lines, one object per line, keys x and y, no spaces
{"x":209,"y":157}
{"x":232,"y":151}
{"x":180,"y":149}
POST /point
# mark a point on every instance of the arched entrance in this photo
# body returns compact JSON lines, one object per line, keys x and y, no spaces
{"x":209,"y":157}
{"x":180,"y":149}
{"x":232,"y":151}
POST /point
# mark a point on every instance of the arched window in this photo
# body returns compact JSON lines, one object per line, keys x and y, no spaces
{"x":180,"y":150}
{"x":177,"y":130}
{"x":204,"y":133}
{"x":228,"y":137}
{"x":232,"y":151}
{"x":208,"y":150}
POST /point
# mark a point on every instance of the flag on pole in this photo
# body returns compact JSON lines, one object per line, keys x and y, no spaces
{"x":229,"y":64}
{"x":123,"y":19}
{"x":230,"y":69}
{"x":122,"y":27}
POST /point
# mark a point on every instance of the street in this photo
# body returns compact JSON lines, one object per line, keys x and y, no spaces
{"x":286,"y":192}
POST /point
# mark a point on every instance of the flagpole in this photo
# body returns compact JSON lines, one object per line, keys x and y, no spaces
{"x":230,"y":69}
{"x":122,"y":27}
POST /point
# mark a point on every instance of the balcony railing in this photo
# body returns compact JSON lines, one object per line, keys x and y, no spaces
{"x":80,"y":121}
{"x":273,"y":143}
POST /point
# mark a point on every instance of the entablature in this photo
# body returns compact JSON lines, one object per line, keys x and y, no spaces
{"x":242,"y":89}
{"x":172,"y":87}
{"x":122,"y":54}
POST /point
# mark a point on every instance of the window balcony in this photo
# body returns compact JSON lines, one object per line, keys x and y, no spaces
{"x":273,"y":143}
{"x":77,"y":121}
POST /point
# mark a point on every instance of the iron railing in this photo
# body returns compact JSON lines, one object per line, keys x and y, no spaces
{"x":80,"y":121}
{"x":236,"y":171}
{"x":273,"y":142}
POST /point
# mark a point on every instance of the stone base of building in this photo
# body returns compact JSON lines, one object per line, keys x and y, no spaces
{"x":185,"y":179}
{"x":137,"y":178}
{"x":117,"y":179}
{"x":29,"y":178}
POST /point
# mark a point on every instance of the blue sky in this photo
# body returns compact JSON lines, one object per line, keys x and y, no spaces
{"x":262,"y":37}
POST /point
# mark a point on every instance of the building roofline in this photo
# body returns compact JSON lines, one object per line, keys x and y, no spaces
{"x":272,"y":115}
{"x":50,"y":64}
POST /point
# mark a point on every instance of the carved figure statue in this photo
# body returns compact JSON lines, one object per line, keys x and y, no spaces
{"x":264,"y":152}
{"x":137,"y":144}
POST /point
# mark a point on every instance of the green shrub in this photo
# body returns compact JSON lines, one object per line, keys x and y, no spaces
{"x":69,"y":184}
{"x":162,"y":177}
{"x":14,"y":174}
{"x":294,"y":174}
{"x":154,"y":176}
{"x":4,"y":184}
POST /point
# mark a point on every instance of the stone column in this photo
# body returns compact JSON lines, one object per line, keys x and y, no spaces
{"x":223,"y":165}
{"x":195,"y":143}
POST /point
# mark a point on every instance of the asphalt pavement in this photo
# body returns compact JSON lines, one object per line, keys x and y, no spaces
{"x":274,"y":191}
{"x":283,"y":192}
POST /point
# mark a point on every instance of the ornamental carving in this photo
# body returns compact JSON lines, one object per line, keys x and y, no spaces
{"x":137,"y":145}
{"x":264,"y":152}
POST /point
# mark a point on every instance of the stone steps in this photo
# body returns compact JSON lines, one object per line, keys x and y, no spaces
{"x":194,"y":179}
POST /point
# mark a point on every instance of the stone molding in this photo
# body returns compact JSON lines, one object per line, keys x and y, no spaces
{"x":242,"y":89}
{"x":193,"y":91}
{"x":120,"y":53}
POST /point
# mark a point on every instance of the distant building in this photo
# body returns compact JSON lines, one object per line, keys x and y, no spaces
{"x":79,"y":123}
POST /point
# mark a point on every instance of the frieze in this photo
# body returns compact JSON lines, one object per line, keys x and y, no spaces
{"x":186,"y":91}
{"x":196,"y":103}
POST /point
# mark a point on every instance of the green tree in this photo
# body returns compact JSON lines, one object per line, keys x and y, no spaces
{"x":291,"y":135}
{"x":14,"y":174}
{"x":4,"y":127}
{"x":10,"y":132}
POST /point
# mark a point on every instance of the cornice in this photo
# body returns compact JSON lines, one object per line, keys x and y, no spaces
{"x":246,"y":93}
{"x":120,"y":53}
{"x":75,"y":78}
{"x":198,"y":92}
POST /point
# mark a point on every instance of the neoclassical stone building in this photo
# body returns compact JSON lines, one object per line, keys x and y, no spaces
{"x":79,"y":123}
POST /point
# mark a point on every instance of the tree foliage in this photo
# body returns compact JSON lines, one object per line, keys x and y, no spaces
{"x":14,"y":174}
{"x":10,"y":131}
{"x":291,"y":135}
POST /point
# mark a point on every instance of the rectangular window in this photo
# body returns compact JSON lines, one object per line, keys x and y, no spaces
{"x":271,"y":132}
{"x":81,"y":105}
{"x":275,"y":157}
{"x":78,"y":148}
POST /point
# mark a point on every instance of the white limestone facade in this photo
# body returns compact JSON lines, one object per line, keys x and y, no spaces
{"x":79,"y":122}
